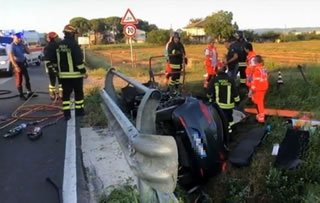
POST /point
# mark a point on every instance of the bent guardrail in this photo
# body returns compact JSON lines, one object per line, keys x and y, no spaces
{"x":153,"y":158}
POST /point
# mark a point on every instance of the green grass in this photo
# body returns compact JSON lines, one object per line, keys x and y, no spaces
{"x":95,"y":116}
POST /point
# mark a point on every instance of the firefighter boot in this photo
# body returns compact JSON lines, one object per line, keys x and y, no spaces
{"x":60,"y":91}
{"x":21,"y":95}
{"x":80,"y":112}
{"x":67,"y":114}
{"x":52,"y":93}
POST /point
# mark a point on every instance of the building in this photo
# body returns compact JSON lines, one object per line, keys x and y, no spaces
{"x":140,"y":37}
{"x":196,"y":32}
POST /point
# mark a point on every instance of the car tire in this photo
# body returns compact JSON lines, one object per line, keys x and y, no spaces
{"x":38,"y":63}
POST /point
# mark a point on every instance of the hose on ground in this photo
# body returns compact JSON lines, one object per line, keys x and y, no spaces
{"x":31,"y":113}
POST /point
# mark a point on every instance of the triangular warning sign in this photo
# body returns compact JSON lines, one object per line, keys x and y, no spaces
{"x":128,"y":18}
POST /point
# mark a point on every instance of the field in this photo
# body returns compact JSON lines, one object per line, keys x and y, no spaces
{"x":260,"y":182}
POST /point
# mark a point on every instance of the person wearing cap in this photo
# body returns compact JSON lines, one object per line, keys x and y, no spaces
{"x":222,"y":90}
{"x":239,"y":45}
{"x":16,"y":51}
{"x":231,"y":59}
{"x":50,"y":61}
{"x":71,"y":72}
{"x":177,"y":54}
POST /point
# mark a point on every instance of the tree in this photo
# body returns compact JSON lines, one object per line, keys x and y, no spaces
{"x":113,"y":24}
{"x":97,"y":25}
{"x":82,"y":24}
{"x":158,"y":36}
{"x":144,"y":25}
{"x":250,"y":35}
{"x":194,"y":20}
{"x":272,"y":36}
{"x":220,"y":25}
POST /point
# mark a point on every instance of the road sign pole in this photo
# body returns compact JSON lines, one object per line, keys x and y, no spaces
{"x":84,"y":53}
{"x":130,"y":42}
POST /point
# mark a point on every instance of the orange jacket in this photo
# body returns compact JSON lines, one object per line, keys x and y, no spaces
{"x":208,"y":62}
{"x":250,"y":66}
{"x":259,"y":78}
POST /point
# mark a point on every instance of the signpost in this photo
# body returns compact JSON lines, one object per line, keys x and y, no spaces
{"x":83,"y":41}
{"x":129,"y":29}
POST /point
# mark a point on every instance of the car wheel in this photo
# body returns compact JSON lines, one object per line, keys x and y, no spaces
{"x":38,"y":63}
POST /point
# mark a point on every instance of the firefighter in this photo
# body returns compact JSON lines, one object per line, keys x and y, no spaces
{"x":250,"y":63}
{"x":16,"y":51}
{"x":239,"y":45}
{"x":71,"y":71}
{"x":50,"y":61}
{"x":176,"y":53}
{"x":168,"y":68}
{"x":259,"y":87}
{"x":210,"y":62}
{"x":223,"y":91}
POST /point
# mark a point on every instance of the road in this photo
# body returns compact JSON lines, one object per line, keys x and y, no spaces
{"x":26,"y":166}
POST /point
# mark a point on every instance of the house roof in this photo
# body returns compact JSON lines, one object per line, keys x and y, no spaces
{"x":199,"y":24}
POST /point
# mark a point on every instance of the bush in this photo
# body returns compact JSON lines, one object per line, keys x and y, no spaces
{"x":158,"y":36}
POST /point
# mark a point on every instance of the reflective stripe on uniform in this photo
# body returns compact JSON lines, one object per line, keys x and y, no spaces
{"x":243,"y":80}
{"x":175,"y":66}
{"x":226,"y":106}
{"x":79,"y":102}
{"x":217,"y":94}
{"x":70,"y":62}
{"x":66,"y":105}
{"x":242,"y":64}
{"x":82,"y":66}
{"x":237,"y":99}
{"x":228,"y":94}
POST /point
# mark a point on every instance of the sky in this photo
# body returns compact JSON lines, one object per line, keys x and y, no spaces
{"x":53,"y":15}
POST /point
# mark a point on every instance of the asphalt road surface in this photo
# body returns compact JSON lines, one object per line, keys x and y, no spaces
{"x":26,"y":166}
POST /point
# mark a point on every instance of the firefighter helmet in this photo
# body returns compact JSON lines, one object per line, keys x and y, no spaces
{"x":69,"y":28}
{"x":52,"y":35}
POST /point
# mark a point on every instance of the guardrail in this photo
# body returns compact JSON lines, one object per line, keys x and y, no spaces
{"x":153,"y":158}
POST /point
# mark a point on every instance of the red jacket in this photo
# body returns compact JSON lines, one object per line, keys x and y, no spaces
{"x":208,"y":62}
{"x":259,"y":78}
{"x":250,"y":67}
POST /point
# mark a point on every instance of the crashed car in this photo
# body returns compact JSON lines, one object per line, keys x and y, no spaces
{"x":200,"y":131}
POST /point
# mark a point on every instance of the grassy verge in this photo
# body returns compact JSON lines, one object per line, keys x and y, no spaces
{"x":94,"y":116}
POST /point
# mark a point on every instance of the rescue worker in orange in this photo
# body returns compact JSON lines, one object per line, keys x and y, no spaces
{"x":50,"y":62}
{"x":259,"y":87}
{"x":222,"y":90}
{"x":250,"y":63}
{"x":210,"y":62}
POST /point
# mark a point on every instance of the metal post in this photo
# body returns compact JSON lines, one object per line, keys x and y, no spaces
{"x":84,"y":53}
{"x":130,"y":42}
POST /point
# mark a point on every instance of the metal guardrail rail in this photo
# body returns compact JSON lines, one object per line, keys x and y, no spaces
{"x":153,"y":158}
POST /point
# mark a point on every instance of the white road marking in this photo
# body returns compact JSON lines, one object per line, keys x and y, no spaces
{"x":69,"y":190}
{"x":4,"y":80}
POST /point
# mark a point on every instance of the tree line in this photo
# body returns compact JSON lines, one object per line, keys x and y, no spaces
{"x":219,"y":25}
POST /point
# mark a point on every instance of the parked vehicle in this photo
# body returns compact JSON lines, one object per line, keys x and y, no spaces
{"x":5,"y":62}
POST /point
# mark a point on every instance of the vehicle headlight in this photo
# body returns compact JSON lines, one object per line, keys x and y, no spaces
{"x":3,"y":62}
